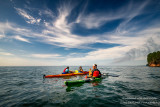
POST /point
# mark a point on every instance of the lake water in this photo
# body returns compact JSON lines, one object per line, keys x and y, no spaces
{"x":136,"y":86}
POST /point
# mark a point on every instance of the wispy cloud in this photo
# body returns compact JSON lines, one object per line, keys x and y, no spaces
{"x":46,"y":56}
{"x":22,"y":39}
{"x":47,"y":12}
{"x":61,"y":21}
{"x":2,"y":35}
{"x":4,"y":27}
{"x":61,"y":31}
{"x":22,"y":32}
{"x":58,"y":32}
{"x":6,"y":54}
{"x":97,"y":19}
{"x":8,"y":26}
{"x":29,"y":19}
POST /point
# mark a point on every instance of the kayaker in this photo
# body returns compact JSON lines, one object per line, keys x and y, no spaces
{"x":90,"y":71}
{"x":80,"y":70}
{"x":95,"y":72}
{"x":66,"y":70}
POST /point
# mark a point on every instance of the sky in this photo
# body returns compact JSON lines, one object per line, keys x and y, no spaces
{"x":78,"y":32}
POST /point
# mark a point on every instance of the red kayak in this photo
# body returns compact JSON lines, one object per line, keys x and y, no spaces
{"x":64,"y":75}
{"x":59,"y":75}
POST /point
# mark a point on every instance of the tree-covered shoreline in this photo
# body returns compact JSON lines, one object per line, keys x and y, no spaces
{"x":153,"y":59}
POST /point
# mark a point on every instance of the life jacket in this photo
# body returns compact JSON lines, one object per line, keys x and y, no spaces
{"x":96,"y":73}
{"x":64,"y":70}
{"x":90,"y":72}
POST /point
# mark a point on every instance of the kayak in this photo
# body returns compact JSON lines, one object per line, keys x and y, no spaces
{"x":59,"y":75}
{"x":88,"y":79}
{"x":72,"y":82}
{"x":63,"y":75}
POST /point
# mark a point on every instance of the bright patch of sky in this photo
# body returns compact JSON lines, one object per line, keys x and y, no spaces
{"x":78,"y":32}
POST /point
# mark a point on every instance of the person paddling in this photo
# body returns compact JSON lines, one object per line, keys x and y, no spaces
{"x":95,"y":72}
{"x":66,"y":70}
{"x":80,"y":70}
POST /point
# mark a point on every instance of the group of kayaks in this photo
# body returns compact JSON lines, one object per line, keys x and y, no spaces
{"x":73,"y":82}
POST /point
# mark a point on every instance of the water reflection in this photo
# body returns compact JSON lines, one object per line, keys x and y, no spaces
{"x":73,"y":87}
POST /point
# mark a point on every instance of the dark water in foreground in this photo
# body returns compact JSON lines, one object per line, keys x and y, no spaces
{"x":137,"y":86}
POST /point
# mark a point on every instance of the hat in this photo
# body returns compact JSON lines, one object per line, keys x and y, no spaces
{"x":94,"y":64}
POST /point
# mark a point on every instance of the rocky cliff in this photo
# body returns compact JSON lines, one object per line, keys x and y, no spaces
{"x":154,"y":65}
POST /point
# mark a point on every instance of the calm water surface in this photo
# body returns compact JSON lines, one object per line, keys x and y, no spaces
{"x":136,"y":86}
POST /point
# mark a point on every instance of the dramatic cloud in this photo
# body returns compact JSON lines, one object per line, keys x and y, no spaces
{"x":54,"y":30}
{"x":132,"y":48}
{"x":135,"y":53}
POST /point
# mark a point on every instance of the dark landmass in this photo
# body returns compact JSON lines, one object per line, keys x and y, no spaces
{"x":153,"y":59}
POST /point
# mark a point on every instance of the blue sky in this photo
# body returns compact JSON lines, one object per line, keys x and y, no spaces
{"x":78,"y":32}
